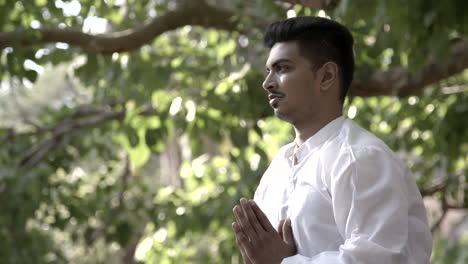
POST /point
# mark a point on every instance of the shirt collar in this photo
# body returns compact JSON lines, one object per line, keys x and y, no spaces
{"x":328,"y":131}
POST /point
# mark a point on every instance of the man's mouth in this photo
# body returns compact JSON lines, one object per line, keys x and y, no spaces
{"x":275,"y":98}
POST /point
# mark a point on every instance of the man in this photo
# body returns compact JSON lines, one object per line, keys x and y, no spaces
{"x":337,"y":193}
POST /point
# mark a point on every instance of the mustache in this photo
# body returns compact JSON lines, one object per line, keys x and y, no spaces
{"x":278,"y":93}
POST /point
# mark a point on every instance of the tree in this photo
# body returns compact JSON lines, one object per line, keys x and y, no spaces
{"x":88,"y":171}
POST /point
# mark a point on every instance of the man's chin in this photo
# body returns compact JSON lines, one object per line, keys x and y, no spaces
{"x":280,"y":114}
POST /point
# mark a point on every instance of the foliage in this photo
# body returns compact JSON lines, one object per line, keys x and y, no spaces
{"x":450,"y":252}
{"x":83,"y":143}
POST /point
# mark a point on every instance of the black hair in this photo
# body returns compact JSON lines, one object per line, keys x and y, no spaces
{"x":320,"y":40}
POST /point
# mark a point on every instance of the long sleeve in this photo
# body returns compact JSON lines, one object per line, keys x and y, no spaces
{"x":371,"y":199}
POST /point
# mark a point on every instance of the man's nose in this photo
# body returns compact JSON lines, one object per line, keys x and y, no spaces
{"x":269,"y":83}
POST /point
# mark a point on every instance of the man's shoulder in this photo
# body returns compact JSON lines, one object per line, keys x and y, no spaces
{"x":352,"y":144}
{"x":353,"y":137}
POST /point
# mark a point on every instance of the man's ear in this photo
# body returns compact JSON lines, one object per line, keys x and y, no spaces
{"x":328,"y":76}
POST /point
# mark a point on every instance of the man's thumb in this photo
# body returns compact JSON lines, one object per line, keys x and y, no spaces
{"x":287,"y":233}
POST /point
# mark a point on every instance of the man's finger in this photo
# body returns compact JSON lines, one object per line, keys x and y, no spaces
{"x":246,"y":246}
{"x":288,"y":234}
{"x":237,"y":231}
{"x":262,"y":218}
{"x":238,"y":219}
{"x":248,"y":211}
{"x":242,"y":251}
{"x":243,"y":242}
{"x":244,"y":223}
{"x":236,"y":228}
{"x":240,"y":245}
{"x":280,"y":228}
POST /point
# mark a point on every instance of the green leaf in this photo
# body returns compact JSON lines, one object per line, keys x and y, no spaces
{"x":31,"y":75}
{"x":132,"y":136}
{"x":123,"y":233}
{"x":152,"y":136}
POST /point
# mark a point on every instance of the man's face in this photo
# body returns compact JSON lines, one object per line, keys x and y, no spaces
{"x":292,"y":88}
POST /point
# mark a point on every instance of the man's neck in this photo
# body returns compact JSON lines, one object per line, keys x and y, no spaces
{"x":307,"y":130}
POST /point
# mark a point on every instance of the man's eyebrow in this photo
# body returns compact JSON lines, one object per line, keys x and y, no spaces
{"x":278,"y":61}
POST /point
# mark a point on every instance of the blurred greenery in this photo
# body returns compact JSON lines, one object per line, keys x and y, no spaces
{"x":139,"y":156}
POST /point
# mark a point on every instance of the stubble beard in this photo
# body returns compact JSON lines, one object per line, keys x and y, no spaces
{"x":281,"y":115}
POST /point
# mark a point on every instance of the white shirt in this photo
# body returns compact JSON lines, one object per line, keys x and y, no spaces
{"x":350,"y":200}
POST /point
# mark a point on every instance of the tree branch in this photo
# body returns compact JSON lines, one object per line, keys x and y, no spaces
{"x":400,"y":82}
{"x":436,"y":225}
{"x":39,"y":151}
{"x":34,"y":155}
{"x":451,"y":206}
{"x":319,"y":4}
{"x":193,"y":12}
{"x":126,"y":173}
{"x":77,"y":120}
{"x":433,"y":189}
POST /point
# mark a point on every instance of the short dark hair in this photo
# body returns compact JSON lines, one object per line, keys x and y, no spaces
{"x":320,"y":40}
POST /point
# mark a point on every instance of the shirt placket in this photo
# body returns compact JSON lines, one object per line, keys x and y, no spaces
{"x":292,"y":179}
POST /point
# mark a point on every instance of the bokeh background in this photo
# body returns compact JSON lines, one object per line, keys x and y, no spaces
{"x":130,"y":128}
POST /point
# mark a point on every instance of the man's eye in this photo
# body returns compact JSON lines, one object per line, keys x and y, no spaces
{"x":281,"y":68}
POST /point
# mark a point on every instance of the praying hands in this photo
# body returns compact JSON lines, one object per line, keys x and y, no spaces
{"x":257,"y":239}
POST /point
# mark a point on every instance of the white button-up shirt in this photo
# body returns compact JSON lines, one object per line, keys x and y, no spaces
{"x":350,"y":200}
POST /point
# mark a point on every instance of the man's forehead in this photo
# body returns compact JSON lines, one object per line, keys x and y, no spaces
{"x":282,"y":51}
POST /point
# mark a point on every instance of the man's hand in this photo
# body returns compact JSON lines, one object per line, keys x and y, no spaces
{"x":257,"y":239}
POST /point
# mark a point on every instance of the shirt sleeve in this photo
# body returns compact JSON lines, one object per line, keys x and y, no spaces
{"x":370,"y":206}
